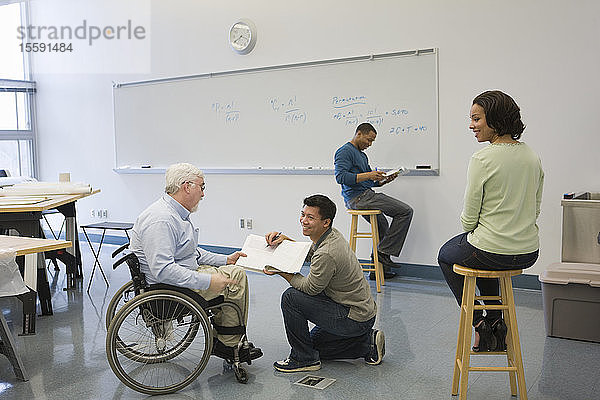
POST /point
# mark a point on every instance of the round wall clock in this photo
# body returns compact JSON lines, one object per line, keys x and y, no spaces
{"x":242,"y":36}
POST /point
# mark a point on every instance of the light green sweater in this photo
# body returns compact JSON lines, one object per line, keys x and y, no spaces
{"x":503,"y":198}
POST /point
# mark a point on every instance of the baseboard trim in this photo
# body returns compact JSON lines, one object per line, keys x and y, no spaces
{"x":419,"y":271}
{"x":434,"y":273}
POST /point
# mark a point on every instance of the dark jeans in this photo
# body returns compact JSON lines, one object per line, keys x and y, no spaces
{"x":335,"y":336}
{"x":458,"y":251}
{"x":391,"y":237}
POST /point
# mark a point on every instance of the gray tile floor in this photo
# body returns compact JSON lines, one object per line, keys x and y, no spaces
{"x":66,"y":358}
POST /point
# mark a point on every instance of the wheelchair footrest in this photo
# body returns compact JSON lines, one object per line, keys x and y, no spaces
{"x":245,"y":354}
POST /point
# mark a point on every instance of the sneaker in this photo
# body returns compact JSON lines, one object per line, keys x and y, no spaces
{"x":377,"y":348}
{"x":290,"y":365}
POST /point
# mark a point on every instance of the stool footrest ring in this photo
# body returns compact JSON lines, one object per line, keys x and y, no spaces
{"x":488,"y":297}
{"x":487,"y":369}
{"x":490,"y":307}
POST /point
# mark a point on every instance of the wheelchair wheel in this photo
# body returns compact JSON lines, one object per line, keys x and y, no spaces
{"x":168,"y":348}
{"x":159,"y":342}
{"x":123,"y":295}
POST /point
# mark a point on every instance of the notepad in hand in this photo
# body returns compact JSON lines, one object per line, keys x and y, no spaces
{"x":400,"y":171}
{"x":288,"y":256}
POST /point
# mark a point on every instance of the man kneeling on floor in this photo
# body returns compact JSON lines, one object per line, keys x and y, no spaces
{"x":335,"y":296}
{"x":166,"y":244}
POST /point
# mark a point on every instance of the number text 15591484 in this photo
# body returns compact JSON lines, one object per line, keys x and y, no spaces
{"x":46,"y":47}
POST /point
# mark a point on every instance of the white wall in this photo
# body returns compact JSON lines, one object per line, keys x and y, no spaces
{"x":546,"y":54}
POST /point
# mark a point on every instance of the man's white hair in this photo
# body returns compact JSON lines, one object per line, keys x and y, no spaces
{"x":178,"y":174}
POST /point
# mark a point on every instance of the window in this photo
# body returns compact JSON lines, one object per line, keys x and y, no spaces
{"x":17,"y":117}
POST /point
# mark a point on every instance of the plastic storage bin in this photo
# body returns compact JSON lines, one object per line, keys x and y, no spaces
{"x":581,"y":228}
{"x":571,"y":295}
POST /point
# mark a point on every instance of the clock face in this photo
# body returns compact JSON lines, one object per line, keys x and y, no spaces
{"x":242,"y":37}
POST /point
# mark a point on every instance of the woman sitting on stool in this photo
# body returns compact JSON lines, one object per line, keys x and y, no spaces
{"x":502,"y":203}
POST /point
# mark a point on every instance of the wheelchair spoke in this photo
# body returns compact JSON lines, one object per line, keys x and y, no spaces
{"x":159,"y":342}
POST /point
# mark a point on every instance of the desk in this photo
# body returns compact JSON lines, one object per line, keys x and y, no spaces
{"x":106,"y":225}
{"x":25,"y":218}
{"x":29,"y":247}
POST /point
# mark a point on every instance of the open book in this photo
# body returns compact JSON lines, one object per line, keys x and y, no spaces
{"x":400,"y":171}
{"x":287,"y":257}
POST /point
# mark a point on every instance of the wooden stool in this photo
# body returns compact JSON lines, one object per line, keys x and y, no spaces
{"x":463,"y":345}
{"x":375,"y":266}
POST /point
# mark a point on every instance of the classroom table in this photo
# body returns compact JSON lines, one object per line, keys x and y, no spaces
{"x":19,"y":214}
{"x":104,"y":226}
{"x":30,"y":247}
{"x":25,"y":218}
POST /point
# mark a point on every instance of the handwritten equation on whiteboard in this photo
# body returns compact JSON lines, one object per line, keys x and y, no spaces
{"x":353,"y":110}
{"x":288,"y":109}
{"x":347,"y":110}
{"x":226,"y":111}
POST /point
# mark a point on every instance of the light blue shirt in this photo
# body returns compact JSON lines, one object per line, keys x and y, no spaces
{"x":166,"y":244}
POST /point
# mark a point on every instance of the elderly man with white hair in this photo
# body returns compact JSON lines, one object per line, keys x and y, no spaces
{"x":166,"y":244}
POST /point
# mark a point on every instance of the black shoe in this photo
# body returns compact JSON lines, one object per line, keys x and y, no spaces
{"x":227,"y":352}
{"x":386,"y":275}
{"x":487,"y":340}
{"x":386,"y":261}
{"x":250,"y":353}
{"x":499,"y":330}
{"x":389,"y":274}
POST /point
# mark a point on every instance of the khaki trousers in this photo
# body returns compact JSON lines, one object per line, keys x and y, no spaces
{"x":238,"y":294}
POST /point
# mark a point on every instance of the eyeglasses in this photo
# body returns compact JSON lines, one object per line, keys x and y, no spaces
{"x":202,"y":187}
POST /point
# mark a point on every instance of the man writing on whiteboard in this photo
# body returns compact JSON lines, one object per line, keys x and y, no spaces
{"x":353,"y":172}
{"x":334,"y":296}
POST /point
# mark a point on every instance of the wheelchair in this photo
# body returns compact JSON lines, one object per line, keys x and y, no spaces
{"x":160,"y":337}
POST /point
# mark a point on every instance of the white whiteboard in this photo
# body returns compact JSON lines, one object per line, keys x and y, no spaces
{"x":284,"y":118}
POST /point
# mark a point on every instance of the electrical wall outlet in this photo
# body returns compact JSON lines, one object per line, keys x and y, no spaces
{"x":242,"y":223}
{"x":104,"y":213}
{"x":93,"y":213}
{"x":249,"y":223}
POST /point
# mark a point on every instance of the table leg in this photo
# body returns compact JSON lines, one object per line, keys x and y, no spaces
{"x":28,"y":225}
{"x":96,"y":255}
{"x":43,"y":289}
{"x":28,"y":300}
{"x":30,"y":277}
{"x":68,"y":210}
{"x":71,"y":232}
{"x":8,"y":348}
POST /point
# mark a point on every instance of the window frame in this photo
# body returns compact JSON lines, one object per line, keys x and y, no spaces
{"x":28,"y":87}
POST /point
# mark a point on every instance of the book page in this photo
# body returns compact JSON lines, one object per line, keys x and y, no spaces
{"x":287,"y":256}
{"x":400,"y":171}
